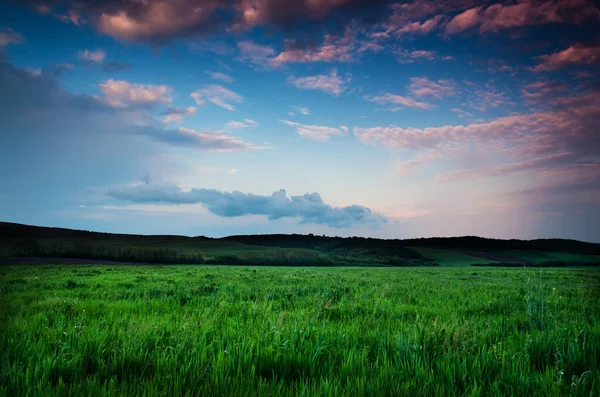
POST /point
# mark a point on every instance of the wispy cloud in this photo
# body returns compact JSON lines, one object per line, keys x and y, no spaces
{"x":202,"y":140}
{"x":405,"y":56}
{"x":256,"y":54}
{"x":331,"y":83}
{"x":175,"y":114}
{"x":239,"y":124}
{"x":422,"y":86}
{"x":221,"y":76}
{"x":316,"y":132}
{"x":399,"y":100}
{"x":217,"y":95}
{"x":302,"y":110}
{"x":96,"y":56}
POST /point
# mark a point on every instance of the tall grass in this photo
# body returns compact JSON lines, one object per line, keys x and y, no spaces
{"x":232,"y":331}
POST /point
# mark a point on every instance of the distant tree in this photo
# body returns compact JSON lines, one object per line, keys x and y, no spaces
{"x":26,"y":247}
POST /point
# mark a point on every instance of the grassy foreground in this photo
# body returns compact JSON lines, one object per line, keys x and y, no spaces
{"x":229,"y":331}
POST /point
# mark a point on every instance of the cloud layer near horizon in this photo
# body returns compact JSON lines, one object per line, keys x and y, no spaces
{"x":309,"y":208}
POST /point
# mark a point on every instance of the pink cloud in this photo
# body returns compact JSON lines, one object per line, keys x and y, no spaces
{"x":158,"y":20}
{"x":122,"y":94}
{"x":464,"y":21}
{"x":574,"y":55}
{"x":538,"y":141}
{"x":524,"y":13}
{"x":422,"y":86}
{"x":334,"y":49}
{"x":543,"y":89}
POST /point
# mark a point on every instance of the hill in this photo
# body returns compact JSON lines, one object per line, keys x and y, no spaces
{"x":293,"y":249}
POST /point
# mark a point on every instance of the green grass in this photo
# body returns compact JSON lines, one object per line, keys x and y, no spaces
{"x":543,"y":256}
{"x":234,"y":331}
{"x":449,"y":257}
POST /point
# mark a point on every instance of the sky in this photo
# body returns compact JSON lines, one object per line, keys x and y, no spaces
{"x":390,"y":119}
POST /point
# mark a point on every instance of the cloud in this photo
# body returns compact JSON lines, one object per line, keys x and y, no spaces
{"x":331,"y":83}
{"x":392,"y":99}
{"x":217,"y":95}
{"x":483,"y":98}
{"x":111,"y":67}
{"x":9,"y":36}
{"x":257,"y":54}
{"x":302,"y":110}
{"x":405,"y":56}
{"x":122,"y":94}
{"x":175,"y":114}
{"x":403,"y":27}
{"x":157,"y":21}
{"x":422,"y":86}
{"x":541,"y":163}
{"x":464,"y":21}
{"x":309,"y":208}
{"x":206,"y":141}
{"x":578,"y":54}
{"x":238,"y":124}
{"x":333,"y":49}
{"x":82,"y":142}
{"x":83,"y":116}
{"x":221,"y":76}
{"x":91,"y":56}
{"x":525,"y":13}
{"x":315,"y":132}
{"x":543,"y":89}
{"x":563,"y":136}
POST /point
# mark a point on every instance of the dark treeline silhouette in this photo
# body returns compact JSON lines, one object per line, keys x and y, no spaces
{"x":385,"y":246}
{"x":464,"y":243}
{"x":285,"y":249}
{"x":30,"y":247}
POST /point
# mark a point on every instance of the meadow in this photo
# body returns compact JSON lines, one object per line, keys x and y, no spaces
{"x":331,"y":331}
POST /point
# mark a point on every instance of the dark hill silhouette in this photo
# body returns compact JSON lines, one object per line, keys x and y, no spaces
{"x":276,"y":248}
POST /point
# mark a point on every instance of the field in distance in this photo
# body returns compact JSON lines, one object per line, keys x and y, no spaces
{"x":289,"y":331}
{"x":293,"y":250}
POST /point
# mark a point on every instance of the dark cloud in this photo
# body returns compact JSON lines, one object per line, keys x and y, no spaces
{"x":157,"y":21}
{"x":310,"y":208}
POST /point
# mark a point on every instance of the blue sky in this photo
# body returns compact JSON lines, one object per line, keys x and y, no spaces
{"x":375,"y":118}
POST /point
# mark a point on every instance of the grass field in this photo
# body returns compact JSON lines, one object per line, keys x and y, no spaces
{"x":543,"y":256}
{"x":449,"y":258}
{"x":217,"y":330}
